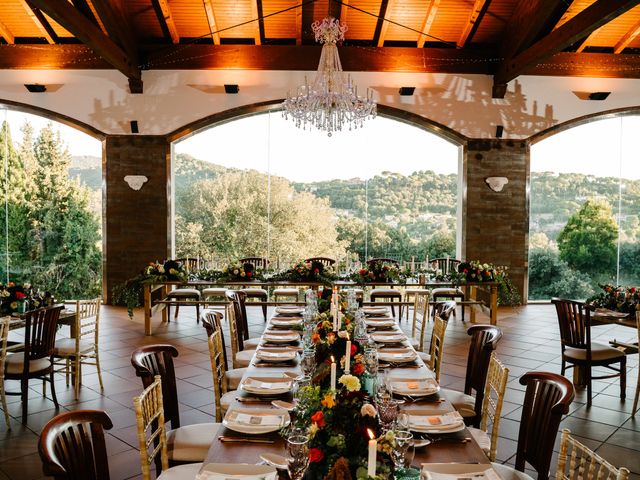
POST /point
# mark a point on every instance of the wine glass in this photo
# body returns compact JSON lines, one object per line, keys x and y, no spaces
{"x":298,"y":450}
{"x":402,"y":443}
{"x":308,"y":362}
{"x":298,"y":384}
{"x":388,"y":409}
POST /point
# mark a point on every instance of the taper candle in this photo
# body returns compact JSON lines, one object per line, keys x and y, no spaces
{"x":333,"y":373}
{"x":373,"y":453}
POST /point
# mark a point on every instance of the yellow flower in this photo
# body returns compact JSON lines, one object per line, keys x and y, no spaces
{"x":242,"y":274}
{"x":350,"y":382}
{"x":313,"y":429}
{"x":329,"y":401}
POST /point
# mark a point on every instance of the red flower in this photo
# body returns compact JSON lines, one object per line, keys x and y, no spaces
{"x":363,"y":271}
{"x":632,"y":290}
{"x":318,"y":418}
{"x":20,"y":295}
{"x":249,"y":274}
{"x":315,"y":455}
{"x":358,"y":369}
{"x":316,"y":270}
{"x":466,"y":270}
{"x":354,"y":349}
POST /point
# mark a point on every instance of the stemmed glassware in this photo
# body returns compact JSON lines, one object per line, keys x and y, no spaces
{"x":298,"y":454}
{"x":403,"y":450}
{"x":388,"y":409}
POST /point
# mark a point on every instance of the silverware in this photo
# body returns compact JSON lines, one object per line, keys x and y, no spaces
{"x":255,"y":399}
{"x":222,"y":438}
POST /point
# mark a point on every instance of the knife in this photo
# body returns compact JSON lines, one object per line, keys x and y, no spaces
{"x":222,"y":438}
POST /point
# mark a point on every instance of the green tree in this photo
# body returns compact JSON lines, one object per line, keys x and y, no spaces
{"x":550,"y":276}
{"x":588,"y":242}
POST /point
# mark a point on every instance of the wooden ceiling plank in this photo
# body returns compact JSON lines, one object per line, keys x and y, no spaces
{"x":585,"y":43}
{"x":6,"y":34}
{"x":41,"y":22}
{"x":628,"y":37}
{"x":344,"y":9}
{"x":165,"y":19}
{"x":480,"y":7}
{"x":591,"y":18}
{"x":211,"y":20}
{"x":432,"y":9}
{"x":382,"y":25}
{"x":82,"y":28}
{"x":299,"y":25}
{"x":256,"y":13}
{"x":113,"y":17}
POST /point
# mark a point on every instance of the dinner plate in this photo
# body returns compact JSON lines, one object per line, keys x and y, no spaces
{"x":459,"y":471}
{"x":256,"y":422}
{"x":388,"y":337}
{"x":373,"y":311}
{"x":380,"y":322}
{"x":289,"y":310}
{"x":266,"y":385}
{"x":285,"y":337}
{"x":414,"y":388}
{"x":276,"y":355}
{"x":224,"y":471}
{"x":286,"y":322}
{"x":397,"y":355}
{"x":447,"y":423}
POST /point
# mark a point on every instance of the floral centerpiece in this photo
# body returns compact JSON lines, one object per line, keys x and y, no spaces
{"x":620,"y":299}
{"x":476,"y":271}
{"x":377,"y":271}
{"x":240,"y":272}
{"x":130,"y":292}
{"x":307,"y":272}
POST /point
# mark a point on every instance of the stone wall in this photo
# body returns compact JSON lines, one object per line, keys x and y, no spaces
{"x":496,"y":224}
{"x":136,"y":223}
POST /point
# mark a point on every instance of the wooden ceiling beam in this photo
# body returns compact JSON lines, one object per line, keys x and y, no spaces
{"x":40,"y":21}
{"x":478,"y":11}
{"x":627,"y":38}
{"x":114,"y":18}
{"x":381,"y":25}
{"x":256,"y":12}
{"x":585,"y":43}
{"x":211,"y":20}
{"x":82,"y":28}
{"x":165,"y":19}
{"x":336,"y":8}
{"x":86,"y":10}
{"x":430,"y":16}
{"x":299,"y":25}
{"x":591,"y":18}
{"x":307,"y":17}
{"x":6,"y":34}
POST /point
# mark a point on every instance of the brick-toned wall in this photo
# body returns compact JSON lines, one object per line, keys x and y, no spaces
{"x":136,"y":223}
{"x":496,"y":224}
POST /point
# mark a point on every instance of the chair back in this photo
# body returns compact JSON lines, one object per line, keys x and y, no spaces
{"x":326,"y":261}
{"x":484,"y":340}
{"x":87,"y":321}
{"x":218,"y":370}
{"x":190,"y":263}
{"x":436,"y":351}
{"x":212,"y":321}
{"x":574,"y":320}
{"x":152,"y":435}
{"x":238,"y":312}
{"x":384,"y":260}
{"x":4,"y":334}
{"x":493,"y":398}
{"x":584,"y":463}
{"x":445,"y":265}
{"x":257,"y":262}
{"x":72,"y":446}
{"x":41,"y":326}
{"x":546,"y":399}
{"x":444,"y":309}
{"x":152,"y":361}
{"x":420,"y":317}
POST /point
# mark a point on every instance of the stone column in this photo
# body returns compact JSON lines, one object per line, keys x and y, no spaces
{"x":496,"y":224}
{"x":136,"y":222}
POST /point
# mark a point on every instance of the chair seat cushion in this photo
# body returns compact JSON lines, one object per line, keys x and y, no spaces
{"x":255,"y":292}
{"x":214,"y":292}
{"x":14,"y":364}
{"x":385,"y":292}
{"x":415,"y":343}
{"x":442,"y":292}
{"x":191,"y":442}
{"x":181,"y":472}
{"x":67,"y":346}
{"x":482,"y":439}
{"x":286,"y":291}
{"x":413,"y":291}
{"x":233,"y":377}
{"x":599,"y":351}
{"x":251,"y":343}
{"x":227,"y":400}
{"x":425,"y":357}
{"x":184,"y":292}
{"x":243,"y":358}
{"x":463,"y":403}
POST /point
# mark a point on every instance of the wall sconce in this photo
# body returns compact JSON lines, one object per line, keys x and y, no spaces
{"x":135,"y":182}
{"x":496,"y":183}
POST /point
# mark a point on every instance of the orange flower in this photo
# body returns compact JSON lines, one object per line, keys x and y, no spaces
{"x":318,"y":418}
{"x":358,"y":369}
{"x":328,"y":401}
{"x":315,"y":338}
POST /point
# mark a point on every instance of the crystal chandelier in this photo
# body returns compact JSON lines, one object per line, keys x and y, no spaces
{"x":332,"y":102}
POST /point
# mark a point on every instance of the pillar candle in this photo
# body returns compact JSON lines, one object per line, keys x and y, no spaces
{"x":347,"y":358}
{"x":333,"y":373}
{"x":373,"y":453}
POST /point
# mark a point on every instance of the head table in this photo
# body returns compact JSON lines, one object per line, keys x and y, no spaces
{"x":447,"y":448}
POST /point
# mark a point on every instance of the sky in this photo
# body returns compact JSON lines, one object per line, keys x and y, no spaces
{"x":602,"y":148}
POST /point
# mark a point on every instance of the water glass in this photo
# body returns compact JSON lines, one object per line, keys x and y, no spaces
{"x":371,"y":359}
{"x":402,"y":443}
{"x":388,"y":409}
{"x":298,"y":384}
{"x":308,"y":362}
{"x":298,"y":459}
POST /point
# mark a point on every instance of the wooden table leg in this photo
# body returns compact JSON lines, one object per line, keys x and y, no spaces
{"x":147,"y":309}
{"x":472,"y":289}
{"x":494,"y":305}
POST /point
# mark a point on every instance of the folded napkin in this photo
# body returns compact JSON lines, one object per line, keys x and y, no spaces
{"x":275,"y":384}
{"x":436,"y":422}
{"x":227,"y":471}
{"x":411,"y":386}
{"x":488,"y":474}
{"x":263,"y":420}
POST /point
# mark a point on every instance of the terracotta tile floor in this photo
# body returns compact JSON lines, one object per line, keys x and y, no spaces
{"x":530,"y":342}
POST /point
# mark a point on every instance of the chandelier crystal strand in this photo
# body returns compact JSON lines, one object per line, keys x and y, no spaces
{"x":332,"y":102}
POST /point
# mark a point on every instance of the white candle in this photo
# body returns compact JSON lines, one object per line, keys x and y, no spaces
{"x":373,"y":453}
{"x":347,"y":358}
{"x":198,"y":263}
{"x":333,"y":373}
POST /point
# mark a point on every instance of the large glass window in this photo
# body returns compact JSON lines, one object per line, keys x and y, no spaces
{"x":258,"y":186}
{"x":585,"y":207}
{"x":50,"y":206}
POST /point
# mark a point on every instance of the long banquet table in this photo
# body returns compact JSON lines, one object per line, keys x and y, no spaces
{"x":453,"y":447}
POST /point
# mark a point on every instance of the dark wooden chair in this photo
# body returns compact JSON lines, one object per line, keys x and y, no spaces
{"x":447,"y":265}
{"x":386,"y":293}
{"x":190,"y":264}
{"x":392,"y":261}
{"x":36,"y":358}
{"x":185,"y":294}
{"x":242,"y":347}
{"x":326,"y":261}
{"x":574,"y":319}
{"x":186,"y":444}
{"x":72,"y":446}
{"x":259,"y":293}
{"x":484,"y":340}
{"x":546,"y":399}
{"x":257,"y":262}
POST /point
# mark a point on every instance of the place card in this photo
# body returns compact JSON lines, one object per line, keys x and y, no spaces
{"x":264,"y":420}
